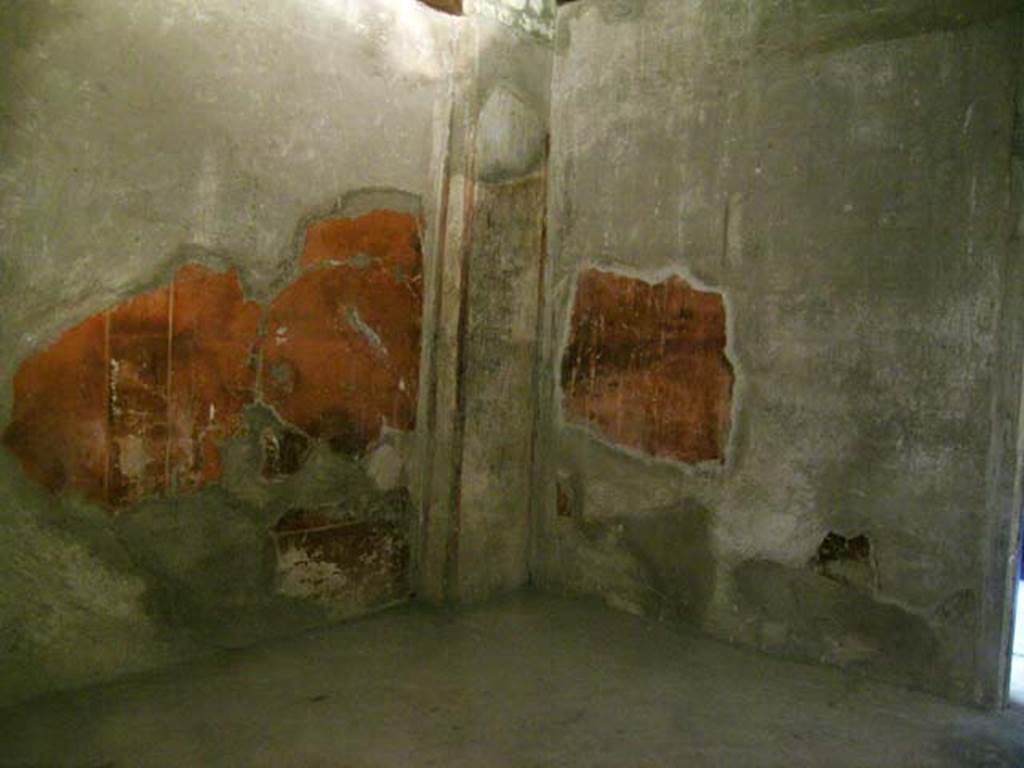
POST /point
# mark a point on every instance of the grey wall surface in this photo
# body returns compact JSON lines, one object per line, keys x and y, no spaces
{"x":134,"y":137}
{"x":841,"y":175}
{"x":477,"y":481}
{"x":840,"y":172}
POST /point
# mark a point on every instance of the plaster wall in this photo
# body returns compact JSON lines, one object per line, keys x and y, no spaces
{"x":478,"y":474}
{"x":835,"y":179}
{"x":841,"y":175}
{"x":135,"y":138}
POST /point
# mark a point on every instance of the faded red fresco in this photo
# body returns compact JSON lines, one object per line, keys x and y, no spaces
{"x":132,"y":402}
{"x":213,"y":348}
{"x":139,"y":357}
{"x":385,"y":236}
{"x":646,"y":366}
{"x":137,"y":400}
{"x":342,"y":345}
{"x":59,"y":426}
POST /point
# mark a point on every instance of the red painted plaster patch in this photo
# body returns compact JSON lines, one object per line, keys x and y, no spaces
{"x":134,"y":402}
{"x":389,"y":237}
{"x":646,"y":366}
{"x":59,"y":427}
{"x":213,"y":370}
{"x":342,"y":346}
{"x":139,"y":360}
{"x":137,"y":400}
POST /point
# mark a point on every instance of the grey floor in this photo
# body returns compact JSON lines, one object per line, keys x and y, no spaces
{"x":527,"y":681}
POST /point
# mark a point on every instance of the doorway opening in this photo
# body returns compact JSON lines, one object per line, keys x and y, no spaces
{"x":1017,"y":648}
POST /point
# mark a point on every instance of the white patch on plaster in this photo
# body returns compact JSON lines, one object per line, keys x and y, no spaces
{"x":115,"y":370}
{"x":358,"y":324}
{"x":302,"y":576}
{"x":133,"y":456}
{"x":968,"y":118}
{"x":385,"y":466}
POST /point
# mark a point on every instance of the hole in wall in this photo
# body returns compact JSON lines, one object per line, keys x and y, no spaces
{"x":847,"y":561}
{"x":451,"y":7}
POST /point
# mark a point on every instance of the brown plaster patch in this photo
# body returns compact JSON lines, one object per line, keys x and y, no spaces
{"x":351,"y":565}
{"x":646,"y":366}
{"x":452,"y":7}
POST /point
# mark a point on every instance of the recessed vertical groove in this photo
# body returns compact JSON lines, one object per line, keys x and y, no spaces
{"x":534,"y":508}
{"x":108,"y":401}
{"x":170,"y":376}
{"x":432,"y":394}
{"x":458,"y":438}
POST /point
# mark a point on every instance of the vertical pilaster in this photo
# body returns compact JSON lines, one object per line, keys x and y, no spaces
{"x":476,"y":482}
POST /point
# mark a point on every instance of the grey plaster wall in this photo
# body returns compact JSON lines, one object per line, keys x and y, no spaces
{"x":477,"y":482}
{"x":133,"y":137}
{"x":841,"y":173}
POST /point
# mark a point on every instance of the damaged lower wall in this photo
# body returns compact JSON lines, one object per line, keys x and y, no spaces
{"x":838,"y":176}
{"x":210,"y":350}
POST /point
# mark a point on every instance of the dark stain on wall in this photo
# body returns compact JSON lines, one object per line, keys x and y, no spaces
{"x":646,"y":366}
{"x":136,"y":402}
{"x":802,"y":613}
{"x":452,"y":7}
{"x":847,"y":560}
{"x":284,"y":452}
{"x":673,"y":544}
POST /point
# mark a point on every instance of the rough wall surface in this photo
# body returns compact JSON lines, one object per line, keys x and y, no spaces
{"x":477,"y":472}
{"x":136,"y":140}
{"x":839,"y":172}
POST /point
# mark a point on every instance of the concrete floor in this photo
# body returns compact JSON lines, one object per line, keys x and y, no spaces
{"x":527,"y":681}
